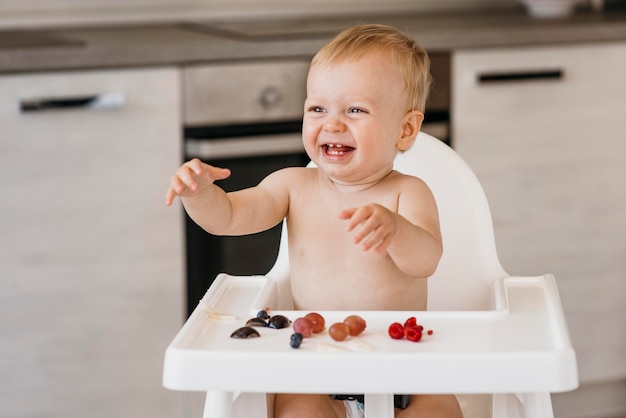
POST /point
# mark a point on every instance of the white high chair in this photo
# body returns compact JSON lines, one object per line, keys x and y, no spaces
{"x":500,"y":343}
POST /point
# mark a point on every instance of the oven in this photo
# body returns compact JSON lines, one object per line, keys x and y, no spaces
{"x":247,"y":116}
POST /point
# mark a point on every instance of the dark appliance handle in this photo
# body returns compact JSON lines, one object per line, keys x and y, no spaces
{"x":97,"y":101}
{"x":520,"y":76}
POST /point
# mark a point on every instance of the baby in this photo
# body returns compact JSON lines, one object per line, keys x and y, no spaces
{"x":361,"y":235}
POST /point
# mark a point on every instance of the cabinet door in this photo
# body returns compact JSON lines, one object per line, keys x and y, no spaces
{"x":90,"y":258}
{"x":544,"y":130}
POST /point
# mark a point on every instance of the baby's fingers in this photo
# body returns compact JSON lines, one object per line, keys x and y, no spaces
{"x":177,"y":188}
{"x":347,"y":213}
{"x":183,"y":181}
{"x":383,"y":245}
{"x":195,"y":165}
{"x":369,"y":232}
{"x":169,"y":197}
{"x":356,"y":216}
{"x":219,"y":173}
{"x":378,"y":239}
{"x":196,"y":171}
{"x":185,"y":178}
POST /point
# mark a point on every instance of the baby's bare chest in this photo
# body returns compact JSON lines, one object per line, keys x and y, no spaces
{"x":319,"y":238}
{"x":330,"y":271}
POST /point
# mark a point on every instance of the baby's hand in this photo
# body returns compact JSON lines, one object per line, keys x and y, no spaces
{"x":193,"y":177}
{"x":377,"y":226}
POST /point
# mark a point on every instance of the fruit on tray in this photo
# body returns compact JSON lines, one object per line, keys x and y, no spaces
{"x":263,"y":320}
{"x":396,"y":331}
{"x":411,"y":330}
{"x":245,"y":332}
{"x":352,"y":325}
{"x":263,"y":314}
{"x":339,"y":331}
{"x":256,"y":322}
{"x":296,"y":340}
{"x":412,"y":323}
{"x":356,"y":324}
{"x":303,"y":326}
{"x":319,"y":323}
{"x":278,"y":322}
{"x":412,"y":334}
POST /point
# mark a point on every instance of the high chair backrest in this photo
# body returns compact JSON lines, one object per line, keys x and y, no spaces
{"x":469,"y":265}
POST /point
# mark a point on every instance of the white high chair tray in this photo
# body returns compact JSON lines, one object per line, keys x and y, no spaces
{"x":520,"y":346}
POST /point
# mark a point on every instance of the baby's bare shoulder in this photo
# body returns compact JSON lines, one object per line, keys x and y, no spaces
{"x":289,"y":175}
{"x":405,"y":182}
{"x":291,"y":180}
{"x":298,"y":171}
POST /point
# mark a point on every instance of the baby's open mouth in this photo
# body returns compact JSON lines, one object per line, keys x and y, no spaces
{"x":337,"y":149}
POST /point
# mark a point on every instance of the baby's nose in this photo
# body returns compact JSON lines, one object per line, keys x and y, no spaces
{"x":334,"y":124}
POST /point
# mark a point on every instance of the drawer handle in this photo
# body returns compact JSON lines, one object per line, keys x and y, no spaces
{"x":99,"y":101}
{"x":516,"y":76}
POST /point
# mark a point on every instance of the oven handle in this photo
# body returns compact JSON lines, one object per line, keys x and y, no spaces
{"x":243,"y":147}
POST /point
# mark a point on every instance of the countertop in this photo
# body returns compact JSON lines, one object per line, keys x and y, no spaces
{"x":188,"y":42}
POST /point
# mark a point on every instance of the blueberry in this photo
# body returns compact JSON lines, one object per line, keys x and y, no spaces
{"x":263,"y":315}
{"x":296,"y":340}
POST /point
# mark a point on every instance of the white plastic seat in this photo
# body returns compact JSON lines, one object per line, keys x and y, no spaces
{"x":469,"y":283}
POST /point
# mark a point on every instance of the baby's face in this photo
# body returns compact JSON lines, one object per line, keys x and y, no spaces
{"x":354,"y":117}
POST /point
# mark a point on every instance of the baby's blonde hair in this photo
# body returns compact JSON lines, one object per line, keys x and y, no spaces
{"x":412,"y":59}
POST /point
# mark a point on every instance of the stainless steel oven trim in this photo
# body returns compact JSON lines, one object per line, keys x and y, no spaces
{"x":243,"y":147}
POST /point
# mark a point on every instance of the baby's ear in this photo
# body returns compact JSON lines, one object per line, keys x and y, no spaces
{"x":410,"y":128}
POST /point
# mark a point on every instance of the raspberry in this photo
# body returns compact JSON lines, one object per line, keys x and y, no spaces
{"x":396,"y":331}
{"x":413,"y":334}
{"x":411,"y":322}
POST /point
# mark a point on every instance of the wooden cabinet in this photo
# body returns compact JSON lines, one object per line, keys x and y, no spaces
{"x":544,"y":130}
{"x":91,"y":259}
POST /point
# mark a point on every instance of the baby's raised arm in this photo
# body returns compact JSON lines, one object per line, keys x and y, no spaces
{"x":237,"y":213}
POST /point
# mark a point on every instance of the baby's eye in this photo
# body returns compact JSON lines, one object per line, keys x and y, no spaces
{"x":356,"y":110}
{"x":316,"y":109}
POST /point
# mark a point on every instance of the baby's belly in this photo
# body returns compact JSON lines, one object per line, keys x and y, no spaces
{"x":332,"y":286}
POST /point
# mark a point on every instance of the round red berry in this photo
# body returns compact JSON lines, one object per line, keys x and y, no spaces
{"x":411,"y":322}
{"x":396,"y":331}
{"x":430,"y":332}
{"x":413,"y":334}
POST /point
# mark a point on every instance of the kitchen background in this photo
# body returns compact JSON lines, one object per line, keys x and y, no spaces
{"x":94,"y":96}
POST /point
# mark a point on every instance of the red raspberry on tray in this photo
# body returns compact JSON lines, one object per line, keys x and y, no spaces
{"x":396,"y":331}
{"x":413,"y":334}
{"x":411,"y":330}
{"x":412,"y":322}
